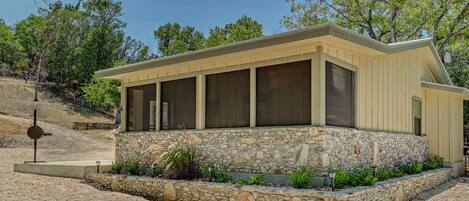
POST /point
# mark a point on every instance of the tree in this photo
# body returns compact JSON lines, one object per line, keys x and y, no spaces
{"x":132,"y":51}
{"x":11,"y":51}
{"x":174,"y":39}
{"x":102,"y":93}
{"x":244,"y":28}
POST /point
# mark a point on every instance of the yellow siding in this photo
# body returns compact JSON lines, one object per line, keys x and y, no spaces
{"x":385,"y":86}
{"x":444,"y":124}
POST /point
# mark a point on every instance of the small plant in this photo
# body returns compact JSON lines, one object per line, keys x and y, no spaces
{"x":402,"y":170}
{"x":416,"y":167}
{"x":434,"y":162}
{"x":384,"y":173}
{"x":116,"y":168}
{"x":215,"y":174}
{"x":302,"y":177}
{"x":133,"y":168}
{"x":179,"y":161}
{"x":342,"y":177}
{"x":363,"y":177}
{"x":369,"y":180}
{"x":253,"y":180}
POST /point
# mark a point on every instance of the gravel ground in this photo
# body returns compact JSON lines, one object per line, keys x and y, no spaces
{"x":452,"y":190}
{"x":64,"y":144}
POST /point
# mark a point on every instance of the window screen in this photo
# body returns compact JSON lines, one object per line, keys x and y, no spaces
{"x":227,"y":99}
{"x":340,"y":96}
{"x":417,"y":114}
{"x":178,"y":104}
{"x":283,"y":94}
{"x":141,"y":108}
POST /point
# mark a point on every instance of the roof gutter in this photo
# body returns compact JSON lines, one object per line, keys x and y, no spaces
{"x":448,"y":88}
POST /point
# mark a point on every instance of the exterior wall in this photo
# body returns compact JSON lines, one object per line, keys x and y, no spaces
{"x":399,"y":189}
{"x":279,"y":150}
{"x":444,"y":124}
{"x":384,"y":87}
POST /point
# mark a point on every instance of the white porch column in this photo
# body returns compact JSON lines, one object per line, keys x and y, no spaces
{"x":123,"y":107}
{"x":200,"y":102}
{"x":252,"y":98}
{"x":158,"y":105}
{"x":318,"y":88}
{"x":322,"y":74}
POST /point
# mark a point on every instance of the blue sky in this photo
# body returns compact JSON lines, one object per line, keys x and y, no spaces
{"x":143,"y":16}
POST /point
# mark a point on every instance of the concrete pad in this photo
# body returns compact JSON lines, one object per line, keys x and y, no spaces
{"x":70,"y":169}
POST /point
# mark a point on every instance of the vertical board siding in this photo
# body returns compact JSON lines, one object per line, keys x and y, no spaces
{"x":385,"y":86}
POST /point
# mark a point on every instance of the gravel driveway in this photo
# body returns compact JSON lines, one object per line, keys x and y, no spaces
{"x":64,"y":144}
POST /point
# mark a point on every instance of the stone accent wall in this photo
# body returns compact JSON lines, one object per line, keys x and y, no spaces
{"x":398,"y":189}
{"x":280,"y":150}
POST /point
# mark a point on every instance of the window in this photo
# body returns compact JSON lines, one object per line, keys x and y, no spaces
{"x":340,"y":96}
{"x":283,"y":94}
{"x":178,"y":104}
{"x":227,"y":99}
{"x":141,"y":108}
{"x":417,"y":115}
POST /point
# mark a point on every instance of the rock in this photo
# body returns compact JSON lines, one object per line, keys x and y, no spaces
{"x":193,"y":139}
{"x":169,"y":192}
{"x":302,"y":155}
{"x":245,"y":197}
{"x":249,"y":140}
{"x":260,"y":155}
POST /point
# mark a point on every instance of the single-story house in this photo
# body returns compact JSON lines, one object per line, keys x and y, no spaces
{"x":318,"y":97}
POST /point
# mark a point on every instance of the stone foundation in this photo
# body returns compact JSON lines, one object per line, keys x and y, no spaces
{"x":280,"y":149}
{"x":398,"y":189}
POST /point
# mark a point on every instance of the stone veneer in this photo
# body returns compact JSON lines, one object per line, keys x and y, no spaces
{"x":398,"y":189}
{"x":280,"y":149}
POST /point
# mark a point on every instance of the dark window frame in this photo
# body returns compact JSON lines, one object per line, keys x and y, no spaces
{"x":128,"y":106}
{"x":352,"y":124}
{"x":415,"y":119}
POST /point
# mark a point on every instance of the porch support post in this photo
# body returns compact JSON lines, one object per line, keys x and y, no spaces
{"x":252,"y":98}
{"x":158,"y":105}
{"x":123,"y":107}
{"x":322,"y":74}
{"x":200,"y":101}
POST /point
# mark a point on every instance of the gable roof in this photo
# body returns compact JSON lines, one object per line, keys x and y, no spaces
{"x":276,"y":39}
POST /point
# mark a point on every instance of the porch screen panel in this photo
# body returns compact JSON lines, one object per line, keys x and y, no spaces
{"x":141,"y":108}
{"x":227,"y":99}
{"x":283,"y":94}
{"x":178,"y":104}
{"x":340,"y":96}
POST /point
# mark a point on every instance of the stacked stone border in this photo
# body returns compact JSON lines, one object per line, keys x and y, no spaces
{"x":281,"y":150}
{"x":403,"y":188}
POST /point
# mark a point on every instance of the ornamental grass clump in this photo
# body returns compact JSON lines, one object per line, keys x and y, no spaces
{"x":180,"y":161}
{"x":434,"y":162}
{"x":384,"y":173}
{"x":116,"y":168}
{"x":254,"y":180}
{"x":133,"y":168}
{"x":302,"y":177}
{"x":342,"y":177}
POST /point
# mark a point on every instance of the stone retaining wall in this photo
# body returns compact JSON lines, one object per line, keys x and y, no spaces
{"x":90,"y":126}
{"x":398,"y":189}
{"x":280,"y":150}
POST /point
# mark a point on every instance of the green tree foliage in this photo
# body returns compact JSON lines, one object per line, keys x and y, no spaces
{"x":174,"y":39}
{"x":27,"y":33}
{"x":446,"y":21}
{"x":10,"y":48}
{"x":103,"y":93}
{"x":244,"y":28}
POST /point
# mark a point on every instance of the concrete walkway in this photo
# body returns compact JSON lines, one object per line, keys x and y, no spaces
{"x":69,"y":169}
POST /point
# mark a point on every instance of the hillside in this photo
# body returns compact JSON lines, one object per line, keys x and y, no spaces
{"x":16,"y":99}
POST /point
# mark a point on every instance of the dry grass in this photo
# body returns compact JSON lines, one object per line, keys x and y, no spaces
{"x":8,"y":127}
{"x":16,"y":99}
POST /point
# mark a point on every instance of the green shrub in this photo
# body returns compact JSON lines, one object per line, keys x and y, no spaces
{"x":434,"y":162}
{"x":254,"y":180}
{"x":116,"y":168}
{"x":302,"y":177}
{"x":215,"y":174}
{"x":179,"y":161}
{"x":342,"y":177}
{"x":384,"y":173}
{"x":403,"y":169}
{"x":416,"y":167}
{"x":362,"y":177}
{"x":133,"y":168}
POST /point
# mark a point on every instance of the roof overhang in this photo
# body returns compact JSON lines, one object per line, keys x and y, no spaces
{"x":330,"y":30}
{"x":447,"y":88}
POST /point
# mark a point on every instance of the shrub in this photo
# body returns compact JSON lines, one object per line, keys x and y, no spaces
{"x":116,"y":168}
{"x":253,"y":180}
{"x":179,"y":161}
{"x":342,"y":177}
{"x":403,"y":169}
{"x":133,"y":168}
{"x":416,"y":167}
{"x":384,"y":173}
{"x":302,"y":177}
{"x":363,"y":177}
{"x":215,"y":174}
{"x":434,"y":162}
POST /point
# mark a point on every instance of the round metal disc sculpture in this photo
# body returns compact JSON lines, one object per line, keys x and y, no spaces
{"x":35,"y":132}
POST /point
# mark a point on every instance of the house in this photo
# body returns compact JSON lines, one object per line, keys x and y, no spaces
{"x":318,"y":97}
